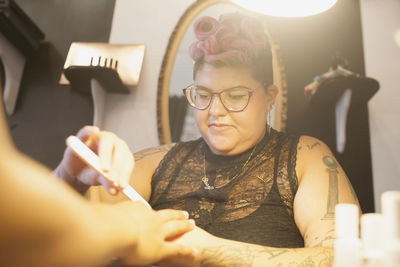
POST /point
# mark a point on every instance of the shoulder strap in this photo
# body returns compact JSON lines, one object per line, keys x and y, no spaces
{"x":285,"y":170}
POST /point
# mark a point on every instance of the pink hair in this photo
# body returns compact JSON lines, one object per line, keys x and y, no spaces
{"x":234,"y":40}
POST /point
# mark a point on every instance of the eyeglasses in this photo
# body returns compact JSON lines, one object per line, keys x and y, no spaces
{"x":233,"y":99}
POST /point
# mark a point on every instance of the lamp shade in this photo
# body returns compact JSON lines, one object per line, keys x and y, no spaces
{"x":287,"y":8}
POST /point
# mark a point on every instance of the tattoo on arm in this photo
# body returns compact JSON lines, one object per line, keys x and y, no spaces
{"x":245,"y":256}
{"x":320,"y":258}
{"x":237,"y":255}
{"x":227,"y":256}
{"x":326,"y":241}
{"x":310,"y":147}
{"x":333,"y":193}
{"x":142,"y":154}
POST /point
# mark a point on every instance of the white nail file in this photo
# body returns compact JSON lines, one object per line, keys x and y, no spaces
{"x":88,"y":156}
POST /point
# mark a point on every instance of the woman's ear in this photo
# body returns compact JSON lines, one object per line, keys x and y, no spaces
{"x":272,"y":92}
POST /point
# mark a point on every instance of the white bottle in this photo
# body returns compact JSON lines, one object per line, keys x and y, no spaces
{"x":372,"y":240}
{"x":390,"y":201}
{"x":347,"y":245}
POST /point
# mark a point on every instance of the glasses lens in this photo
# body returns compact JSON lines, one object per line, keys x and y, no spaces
{"x":235,"y":99}
{"x":199,"y":98}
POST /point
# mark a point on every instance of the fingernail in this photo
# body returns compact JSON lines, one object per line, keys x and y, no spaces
{"x":113,"y":191}
{"x":106,"y":167}
{"x":186,"y":214}
{"x":192,"y":222}
{"x":195,"y":251}
{"x":123,"y":184}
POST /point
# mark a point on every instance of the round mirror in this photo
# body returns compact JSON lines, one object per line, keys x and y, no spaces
{"x":174,"y":116}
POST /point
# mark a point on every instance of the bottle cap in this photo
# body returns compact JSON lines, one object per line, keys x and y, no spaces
{"x":391,"y":214}
{"x":346,"y":221}
{"x":371,"y":231}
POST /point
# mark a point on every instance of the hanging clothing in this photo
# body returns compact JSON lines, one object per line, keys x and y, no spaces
{"x":252,"y":196}
{"x":323,"y":121}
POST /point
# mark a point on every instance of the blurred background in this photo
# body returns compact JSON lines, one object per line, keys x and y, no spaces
{"x":364,"y":35}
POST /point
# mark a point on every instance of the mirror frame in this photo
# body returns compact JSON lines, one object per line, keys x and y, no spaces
{"x":163,"y":126}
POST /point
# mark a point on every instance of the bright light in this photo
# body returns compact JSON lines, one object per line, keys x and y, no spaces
{"x":287,"y":8}
{"x":397,"y":37}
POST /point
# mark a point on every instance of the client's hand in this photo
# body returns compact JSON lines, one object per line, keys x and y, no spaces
{"x":115,"y":156}
{"x":152,"y":231}
{"x":198,"y":239}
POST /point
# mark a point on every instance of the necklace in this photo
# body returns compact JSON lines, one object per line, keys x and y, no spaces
{"x":207,"y":186}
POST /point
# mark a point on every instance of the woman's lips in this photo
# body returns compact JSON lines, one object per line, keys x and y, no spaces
{"x":219,"y":127}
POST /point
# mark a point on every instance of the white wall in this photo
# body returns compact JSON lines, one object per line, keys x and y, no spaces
{"x":149,"y":22}
{"x":380,"y":22}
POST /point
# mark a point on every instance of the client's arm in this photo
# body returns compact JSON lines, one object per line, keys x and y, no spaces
{"x":219,"y":252}
{"x":45,"y":223}
{"x":322,"y":184}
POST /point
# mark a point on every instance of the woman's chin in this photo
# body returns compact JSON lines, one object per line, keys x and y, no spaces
{"x":220,"y":146}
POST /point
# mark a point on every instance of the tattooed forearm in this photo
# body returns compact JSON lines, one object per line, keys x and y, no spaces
{"x":253,"y":256}
{"x":333,"y":193}
{"x":320,"y":258}
{"x":325,"y":241}
{"x":142,"y":154}
{"x":227,"y":256}
{"x":238,"y":255}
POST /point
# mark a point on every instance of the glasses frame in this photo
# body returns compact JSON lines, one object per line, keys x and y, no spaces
{"x":186,"y":92}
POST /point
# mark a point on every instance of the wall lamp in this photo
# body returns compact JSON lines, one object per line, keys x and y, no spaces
{"x":116,"y":67}
{"x":97,"y":69}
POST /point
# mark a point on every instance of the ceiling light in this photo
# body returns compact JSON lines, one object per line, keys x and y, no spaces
{"x":287,"y":8}
{"x":397,"y":37}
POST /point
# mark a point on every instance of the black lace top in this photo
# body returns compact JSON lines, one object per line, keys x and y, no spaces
{"x":252,"y":196}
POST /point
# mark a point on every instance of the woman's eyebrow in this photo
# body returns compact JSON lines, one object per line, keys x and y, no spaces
{"x":203,"y":87}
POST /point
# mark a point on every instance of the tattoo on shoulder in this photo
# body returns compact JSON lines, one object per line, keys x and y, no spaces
{"x":310,"y":147}
{"x":151,"y":151}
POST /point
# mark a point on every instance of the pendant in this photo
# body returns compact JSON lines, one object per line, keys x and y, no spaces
{"x":207,"y":186}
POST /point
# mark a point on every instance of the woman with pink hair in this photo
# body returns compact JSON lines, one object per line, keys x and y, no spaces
{"x":259,"y":197}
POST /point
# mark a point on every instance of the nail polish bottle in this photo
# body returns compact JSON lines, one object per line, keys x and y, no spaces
{"x":390,"y":201}
{"x":347,"y":245}
{"x":372,"y":240}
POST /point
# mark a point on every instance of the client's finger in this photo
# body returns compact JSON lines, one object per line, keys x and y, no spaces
{"x":122,"y":163}
{"x":88,"y":135}
{"x":86,"y":132}
{"x":106,"y":150}
{"x":108,"y":185}
{"x":169,"y":214}
{"x":173,"y":229}
{"x":89,"y":176}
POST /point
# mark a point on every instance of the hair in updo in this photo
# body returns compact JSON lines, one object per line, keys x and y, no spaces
{"x":234,"y":40}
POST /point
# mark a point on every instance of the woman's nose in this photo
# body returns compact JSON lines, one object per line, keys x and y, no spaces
{"x":216,"y":106}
